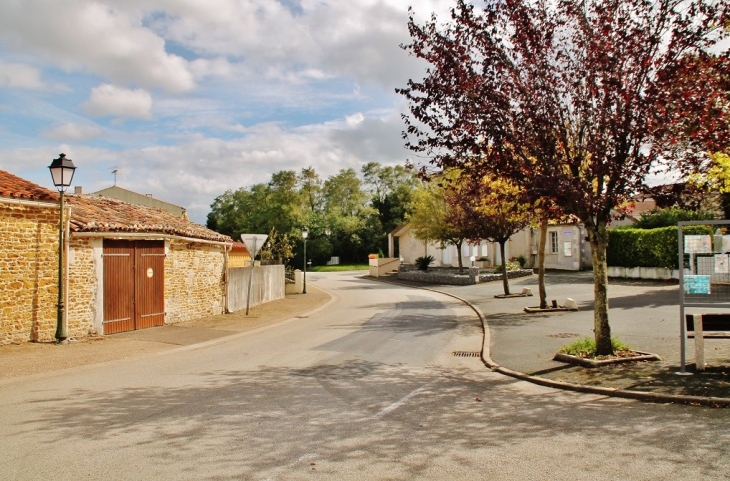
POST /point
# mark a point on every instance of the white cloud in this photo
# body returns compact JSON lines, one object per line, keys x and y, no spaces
{"x":109,"y":100}
{"x":20,"y":76}
{"x":73,"y":132}
{"x":90,"y":36}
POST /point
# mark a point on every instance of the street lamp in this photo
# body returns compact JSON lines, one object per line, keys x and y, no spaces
{"x":305,"y":233}
{"x":472,"y":259}
{"x":62,"y":172}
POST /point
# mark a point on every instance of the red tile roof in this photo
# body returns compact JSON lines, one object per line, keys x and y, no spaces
{"x":92,"y":213}
{"x":16,"y":188}
{"x":240,"y":248}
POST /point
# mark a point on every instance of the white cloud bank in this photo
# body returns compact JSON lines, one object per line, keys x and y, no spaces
{"x":109,"y":100}
{"x":73,"y":132}
{"x":16,"y":75}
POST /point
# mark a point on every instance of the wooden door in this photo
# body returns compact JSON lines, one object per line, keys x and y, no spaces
{"x":133,"y":285}
{"x":149,"y":284}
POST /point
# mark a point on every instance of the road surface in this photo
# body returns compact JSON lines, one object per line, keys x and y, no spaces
{"x":367,"y":388}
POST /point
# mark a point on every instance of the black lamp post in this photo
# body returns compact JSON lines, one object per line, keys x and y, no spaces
{"x":62,"y":171}
{"x":305,"y":233}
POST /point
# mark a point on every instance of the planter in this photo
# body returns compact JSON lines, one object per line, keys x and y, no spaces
{"x":586,"y":362}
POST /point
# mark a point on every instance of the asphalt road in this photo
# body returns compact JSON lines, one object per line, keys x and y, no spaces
{"x":367,"y":388}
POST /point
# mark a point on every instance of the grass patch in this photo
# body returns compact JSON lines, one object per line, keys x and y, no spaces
{"x":340,"y":268}
{"x":586,"y":347}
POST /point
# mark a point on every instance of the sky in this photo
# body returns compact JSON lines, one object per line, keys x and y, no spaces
{"x":186,"y":99}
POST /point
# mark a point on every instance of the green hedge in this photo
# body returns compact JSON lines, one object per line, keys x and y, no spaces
{"x":648,"y":247}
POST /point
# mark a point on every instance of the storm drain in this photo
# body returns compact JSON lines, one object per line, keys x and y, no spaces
{"x":467,"y":353}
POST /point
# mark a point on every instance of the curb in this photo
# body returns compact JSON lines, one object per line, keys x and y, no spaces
{"x":567,"y":386}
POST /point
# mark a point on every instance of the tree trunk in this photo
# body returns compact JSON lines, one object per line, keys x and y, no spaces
{"x":598,"y":236}
{"x":505,"y":279}
{"x":541,"y":263}
{"x":458,"y":255}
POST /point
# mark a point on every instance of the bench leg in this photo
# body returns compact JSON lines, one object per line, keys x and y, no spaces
{"x":699,"y":344}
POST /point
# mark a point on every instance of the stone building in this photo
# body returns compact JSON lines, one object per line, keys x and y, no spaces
{"x":127,"y":266}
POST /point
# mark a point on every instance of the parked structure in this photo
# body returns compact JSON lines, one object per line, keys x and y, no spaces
{"x":127,"y":266}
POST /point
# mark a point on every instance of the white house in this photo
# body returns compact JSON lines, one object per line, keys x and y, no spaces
{"x":566,"y":248}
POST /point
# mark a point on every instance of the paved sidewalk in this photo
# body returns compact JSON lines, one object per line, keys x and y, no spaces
{"x":28,"y":359}
{"x":642,"y":314}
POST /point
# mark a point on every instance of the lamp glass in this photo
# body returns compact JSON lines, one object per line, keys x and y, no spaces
{"x":62,"y":171}
{"x":305,"y":233}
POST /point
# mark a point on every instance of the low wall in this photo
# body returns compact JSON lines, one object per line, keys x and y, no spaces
{"x":656,"y":273}
{"x":268,"y":285}
{"x":383,"y":265}
{"x":456,"y":279}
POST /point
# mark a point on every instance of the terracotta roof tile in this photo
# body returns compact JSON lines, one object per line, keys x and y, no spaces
{"x":91,"y":213}
{"x":94,"y":213}
{"x":16,"y":188}
{"x":240,"y":248}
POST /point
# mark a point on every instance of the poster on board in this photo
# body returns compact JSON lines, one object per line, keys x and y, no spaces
{"x":696,"y":284}
{"x":721,"y":264}
{"x":697,"y":244}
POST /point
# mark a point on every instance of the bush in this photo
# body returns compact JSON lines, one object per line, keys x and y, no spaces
{"x":511,"y":266}
{"x":648,"y":247}
{"x":520,"y":259}
{"x":669,"y":218}
{"x":423,"y":262}
{"x":586,"y":347}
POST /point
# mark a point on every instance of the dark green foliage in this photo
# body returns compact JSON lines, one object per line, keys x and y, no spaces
{"x":670,"y":217}
{"x":648,"y":247}
{"x":423,"y":262}
{"x":346,"y":216}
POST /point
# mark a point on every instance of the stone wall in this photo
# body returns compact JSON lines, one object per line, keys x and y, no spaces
{"x":28,"y":273}
{"x":83,"y":287}
{"x":452,"y":277}
{"x":194,"y":281}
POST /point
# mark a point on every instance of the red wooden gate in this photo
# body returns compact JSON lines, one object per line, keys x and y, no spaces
{"x":134,"y":285}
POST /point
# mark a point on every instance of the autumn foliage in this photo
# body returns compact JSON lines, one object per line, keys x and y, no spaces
{"x":575,"y":101}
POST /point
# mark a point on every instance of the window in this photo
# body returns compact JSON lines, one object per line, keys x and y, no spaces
{"x":553,"y":242}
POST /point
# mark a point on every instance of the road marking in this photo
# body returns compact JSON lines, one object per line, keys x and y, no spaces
{"x":399,"y":402}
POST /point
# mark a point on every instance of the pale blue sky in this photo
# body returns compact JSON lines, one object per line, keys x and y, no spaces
{"x":188,"y":98}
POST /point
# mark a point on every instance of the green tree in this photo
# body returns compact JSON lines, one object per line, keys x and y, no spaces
{"x":432,"y":218}
{"x":278,"y":247}
{"x":347,"y":214}
{"x":493,"y":210}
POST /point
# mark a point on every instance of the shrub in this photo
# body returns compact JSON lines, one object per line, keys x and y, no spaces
{"x":669,"y":218}
{"x":520,"y":259}
{"x":586,"y":347}
{"x":511,"y":266}
{"x":648,"y":247}
{"x":423,"y":262}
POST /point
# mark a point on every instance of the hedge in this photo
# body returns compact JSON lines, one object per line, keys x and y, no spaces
{"x":648,"y":247}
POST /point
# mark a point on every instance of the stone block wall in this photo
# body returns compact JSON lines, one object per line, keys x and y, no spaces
{"x":28,"y":273}
{"x":194,"y":281}
{"x":83,"y":287}
{"x":437,"y":276}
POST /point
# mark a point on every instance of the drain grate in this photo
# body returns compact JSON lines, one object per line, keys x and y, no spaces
{"x":467,"y":353}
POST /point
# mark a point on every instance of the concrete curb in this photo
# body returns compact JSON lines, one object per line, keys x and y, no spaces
{"x":603,"y":391}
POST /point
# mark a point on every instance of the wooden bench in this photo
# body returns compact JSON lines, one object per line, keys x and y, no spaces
{"x":706,"y":326}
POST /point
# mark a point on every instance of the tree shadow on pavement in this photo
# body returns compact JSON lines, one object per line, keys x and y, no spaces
{"x":275,"y":422}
